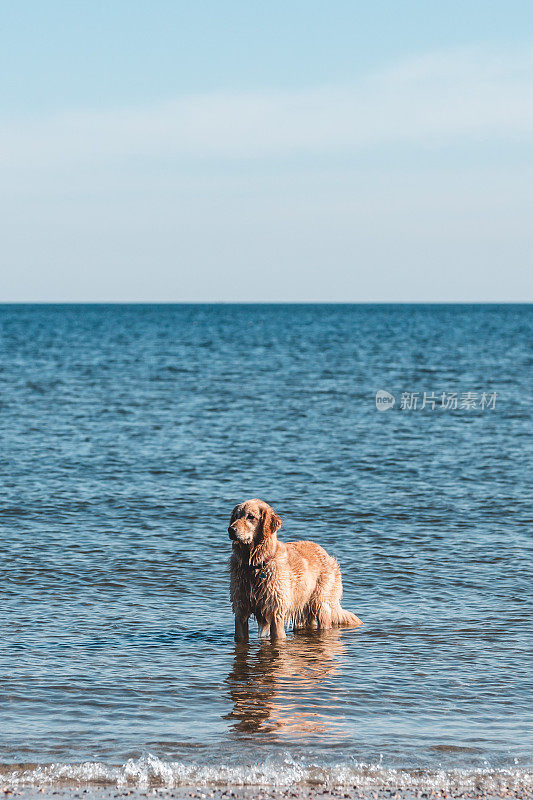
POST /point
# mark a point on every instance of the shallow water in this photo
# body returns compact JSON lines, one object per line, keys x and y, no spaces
{"x":128,"y":434}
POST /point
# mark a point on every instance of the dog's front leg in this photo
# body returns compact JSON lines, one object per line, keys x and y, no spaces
{"x":277,"y":628}
{"x":263,"y":627}
{"x":241,"y":628}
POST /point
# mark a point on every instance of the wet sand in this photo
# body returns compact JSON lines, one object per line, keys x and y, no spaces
{"x":260,"y":793}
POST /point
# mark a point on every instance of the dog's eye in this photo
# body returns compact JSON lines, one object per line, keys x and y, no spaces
{"x":251,"y":517}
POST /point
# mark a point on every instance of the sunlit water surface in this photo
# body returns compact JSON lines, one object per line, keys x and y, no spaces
{"x":128,"y":434}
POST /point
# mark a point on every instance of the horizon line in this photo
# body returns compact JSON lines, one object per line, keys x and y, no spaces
{"x":264,"y":302}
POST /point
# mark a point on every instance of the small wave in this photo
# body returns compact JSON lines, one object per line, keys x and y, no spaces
{"x":150,"y":771}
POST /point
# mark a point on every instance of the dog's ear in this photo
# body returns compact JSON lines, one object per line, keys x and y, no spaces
{"x":234,"y":513}
{"x":271,"y":522}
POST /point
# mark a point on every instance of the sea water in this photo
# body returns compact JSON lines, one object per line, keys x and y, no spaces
{"x":128,"y":433}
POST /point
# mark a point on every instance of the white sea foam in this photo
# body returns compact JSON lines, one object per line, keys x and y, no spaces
{"x":150,"y":771}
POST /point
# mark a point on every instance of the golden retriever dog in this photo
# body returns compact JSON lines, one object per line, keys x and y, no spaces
{"x":279,"y":583}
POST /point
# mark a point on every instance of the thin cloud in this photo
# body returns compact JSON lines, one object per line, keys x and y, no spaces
{"x":436,"y":99}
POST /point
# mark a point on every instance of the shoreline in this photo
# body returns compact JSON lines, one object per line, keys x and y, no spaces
{"x":151,"y":777}
{"x":258,"y":792}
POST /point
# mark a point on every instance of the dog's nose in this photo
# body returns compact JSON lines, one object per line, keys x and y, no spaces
{"x":232,"y":533}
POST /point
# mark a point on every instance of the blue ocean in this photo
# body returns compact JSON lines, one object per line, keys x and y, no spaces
{"x":128,"y":434}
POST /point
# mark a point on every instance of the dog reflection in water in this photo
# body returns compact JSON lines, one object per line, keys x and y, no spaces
{"x":285,"y":689}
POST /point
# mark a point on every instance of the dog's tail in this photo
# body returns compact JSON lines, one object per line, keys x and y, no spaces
{"x":344,"y":618}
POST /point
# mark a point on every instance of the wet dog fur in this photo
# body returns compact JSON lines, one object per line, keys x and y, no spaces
{"x":280,"y":583}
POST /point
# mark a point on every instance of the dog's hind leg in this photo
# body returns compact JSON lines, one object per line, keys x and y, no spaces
{"x":304,"y":619}
{"x":324,"y":616}
{"x":309,"y":618}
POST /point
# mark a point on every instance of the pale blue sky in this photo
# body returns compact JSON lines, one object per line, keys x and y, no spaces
{"x":182,"y":151}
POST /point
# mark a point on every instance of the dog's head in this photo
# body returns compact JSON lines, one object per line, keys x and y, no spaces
{"x":251,"y":522}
